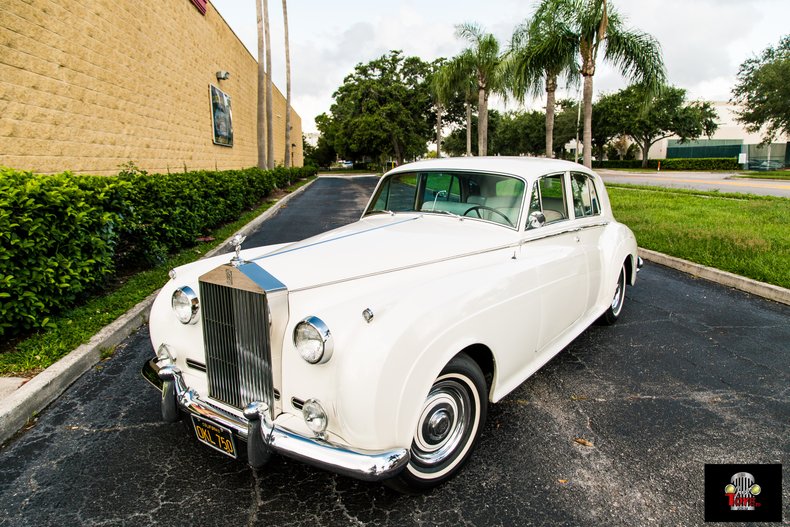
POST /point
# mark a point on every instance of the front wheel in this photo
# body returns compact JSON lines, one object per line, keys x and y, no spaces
{"x":616,"y":307}
{"x":449,"y":425}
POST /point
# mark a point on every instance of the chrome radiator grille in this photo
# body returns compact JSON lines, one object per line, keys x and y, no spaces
{"x":236,"y":340}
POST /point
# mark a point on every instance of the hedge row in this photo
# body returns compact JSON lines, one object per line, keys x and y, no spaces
{"x":675,"y":163}
{"x":62,"y":236}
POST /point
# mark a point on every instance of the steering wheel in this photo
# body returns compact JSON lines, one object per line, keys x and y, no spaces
{"x":478,"y":208}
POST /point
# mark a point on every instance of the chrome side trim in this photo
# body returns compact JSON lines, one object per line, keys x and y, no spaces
{"x":360,"y":464}
{"x":564,"y":231}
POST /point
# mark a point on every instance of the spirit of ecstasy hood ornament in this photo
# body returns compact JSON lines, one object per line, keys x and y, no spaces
{"x":236,"y":243}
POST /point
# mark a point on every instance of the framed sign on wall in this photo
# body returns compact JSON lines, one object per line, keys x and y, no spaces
{"x":221,"y":119}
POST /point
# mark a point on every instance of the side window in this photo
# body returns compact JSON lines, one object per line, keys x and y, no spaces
{"x":548,"y":197}
{"x":552,"y":197}
{"x":585,"y":198}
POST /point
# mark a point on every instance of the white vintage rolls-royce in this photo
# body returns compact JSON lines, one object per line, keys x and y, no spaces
{"x":373,"y":350}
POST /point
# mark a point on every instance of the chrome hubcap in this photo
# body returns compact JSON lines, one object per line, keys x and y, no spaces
{"x":619,"y":293}
{"x":443,"y":423}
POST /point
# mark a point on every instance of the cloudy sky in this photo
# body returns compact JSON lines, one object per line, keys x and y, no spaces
{"x":704,"y":41}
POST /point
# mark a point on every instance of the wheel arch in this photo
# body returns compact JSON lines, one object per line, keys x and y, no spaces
{"x":484,"y":357}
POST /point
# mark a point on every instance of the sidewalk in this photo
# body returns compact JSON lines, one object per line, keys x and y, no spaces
{"x":9,"y":384}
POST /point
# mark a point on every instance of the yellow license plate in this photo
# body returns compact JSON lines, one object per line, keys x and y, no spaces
{"x":215,"y":436}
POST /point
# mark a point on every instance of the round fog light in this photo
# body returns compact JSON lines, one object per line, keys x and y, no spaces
{"x":315,"y":416}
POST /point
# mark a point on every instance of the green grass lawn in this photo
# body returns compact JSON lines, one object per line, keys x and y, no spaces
{"x":769,"y":174}
{"x":75,"y":327}
{"x":745,"y":234}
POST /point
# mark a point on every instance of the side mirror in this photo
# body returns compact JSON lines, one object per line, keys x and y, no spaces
{"x":536,"y":219}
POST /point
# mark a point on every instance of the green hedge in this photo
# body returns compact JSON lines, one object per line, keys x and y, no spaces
{"x":63,"y":236}
{"x":701,"y":163}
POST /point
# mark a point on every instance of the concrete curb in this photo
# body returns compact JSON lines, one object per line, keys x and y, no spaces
{"x":41,"y":390}
{"x":36,"y":394}
{"x":769,"y":291}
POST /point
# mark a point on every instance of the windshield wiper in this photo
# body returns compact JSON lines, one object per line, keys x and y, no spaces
{"x":446,"y":212}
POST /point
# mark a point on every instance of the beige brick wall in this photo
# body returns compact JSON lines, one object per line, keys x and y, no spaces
{"x":86,"y":85}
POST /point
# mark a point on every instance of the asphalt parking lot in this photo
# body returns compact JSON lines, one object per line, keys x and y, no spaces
{"x":693,"y":373}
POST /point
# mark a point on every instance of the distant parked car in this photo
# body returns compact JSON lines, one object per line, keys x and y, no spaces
{"x":766,"y":165}
{"x":346,"y":164}
{"x":373,"y":350}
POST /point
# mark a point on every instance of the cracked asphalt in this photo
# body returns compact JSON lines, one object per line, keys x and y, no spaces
{"x":693,"y":373}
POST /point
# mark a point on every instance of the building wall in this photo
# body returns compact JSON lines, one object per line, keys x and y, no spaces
{"x":729,"y":129}
{"x":86,"y":85}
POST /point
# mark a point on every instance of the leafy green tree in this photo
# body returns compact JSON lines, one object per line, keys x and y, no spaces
{"x":451,"y":101}
{"x":762,"y":91}
{"x":565,"y":126}
{"x":608,"y":114}
{"x":320,"y":155}
{"x":455,"y":143}
{"x":667,"y":114}
{"x":384,"y":108}
{"x":453,"y":83}
{"x":601,"y":33}
{"x":542,"y":49}
{"x":482,"y":62}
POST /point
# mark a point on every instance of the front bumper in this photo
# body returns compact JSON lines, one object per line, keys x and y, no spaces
{"x":264,"y":436}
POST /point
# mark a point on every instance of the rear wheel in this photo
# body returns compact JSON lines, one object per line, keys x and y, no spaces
{"x":616,"y":307}
{"x":448,"y":428}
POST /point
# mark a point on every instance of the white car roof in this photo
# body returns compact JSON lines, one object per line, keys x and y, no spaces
{"x":520,"y":166}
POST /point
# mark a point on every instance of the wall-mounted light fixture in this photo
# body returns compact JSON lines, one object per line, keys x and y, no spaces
{"x":223,"y":75}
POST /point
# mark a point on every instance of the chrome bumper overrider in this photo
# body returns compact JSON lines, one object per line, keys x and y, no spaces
{"x":264,"y":436}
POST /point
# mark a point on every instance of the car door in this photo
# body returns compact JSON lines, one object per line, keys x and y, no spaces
{"x":557,"y":257}
{"x":590,"y":227}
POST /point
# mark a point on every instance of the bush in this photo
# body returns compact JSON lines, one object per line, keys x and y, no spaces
{"x":675,"y":163}
{"x":63,"y":236}
{"x":57,"y":242}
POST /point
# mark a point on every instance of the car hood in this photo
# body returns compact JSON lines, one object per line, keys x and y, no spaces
{"x":379,"y":244}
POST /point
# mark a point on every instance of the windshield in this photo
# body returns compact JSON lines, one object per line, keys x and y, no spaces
{"x":490,"y":197}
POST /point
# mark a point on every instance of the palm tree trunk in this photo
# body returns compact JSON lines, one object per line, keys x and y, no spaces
{"x":269,"y":116}
{"x":587,"y":141}
{"x":287,"y":88}
{"x":261,"y":112}
{"x":439,"y":111}
{"x":551,"y":89}
{"x":468,"y":129}
{"x":482,"y":122}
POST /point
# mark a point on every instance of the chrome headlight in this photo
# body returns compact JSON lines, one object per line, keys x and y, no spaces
{"x":313,"y":340}
{"x":185,"y":305}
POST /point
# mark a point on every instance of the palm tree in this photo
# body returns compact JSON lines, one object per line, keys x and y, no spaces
{"x":261,"y":111}
{"x":541,"y":50}
{"x":287,"y":88}
{"x":597,"y":26}
{"x":481,"y":62}
{"x":453,"y":80}
{"x":269,"y":116}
